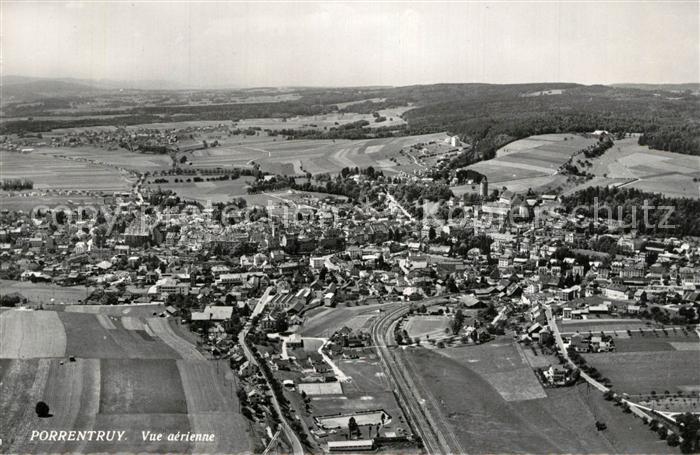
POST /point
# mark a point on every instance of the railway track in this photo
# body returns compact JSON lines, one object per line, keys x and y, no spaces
{"x":434,"y":432}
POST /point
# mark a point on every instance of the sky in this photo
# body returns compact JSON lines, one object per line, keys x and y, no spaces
{"x":221,"y":44}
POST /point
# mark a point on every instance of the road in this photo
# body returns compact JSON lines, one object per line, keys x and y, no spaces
{"x":435,"y":432}
{"x":551,"y":321}
{"x":393,"y":201}
{"x":297,"y":448}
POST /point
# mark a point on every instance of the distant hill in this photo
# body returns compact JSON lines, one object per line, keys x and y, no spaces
{"x":18,"y":88}
{"x":690,"y":87}
{"x":22,"y":88}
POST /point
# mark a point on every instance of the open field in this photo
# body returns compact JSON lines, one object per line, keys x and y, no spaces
{"x":118,"y":157}
{"x":127,"y":387}
{"x":31,"y":334}
{"x":642,"y":372}
{"x":45,"y":293}
{"x":325,"y":121}
{"x":88,"y":338}
{"x":215,"y":191}
{"x":48,"y":172}
{"x":315,"y":156}
{"x":141,"y":311}
{"x":137,"y":385}
{"x":629,"y":164}
{"x":504,"y":367}
{"x":29,"y":200}
{"x":484,"y":421}
{"x":530,"y":162}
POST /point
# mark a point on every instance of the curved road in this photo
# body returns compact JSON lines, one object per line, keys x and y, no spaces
{"x":291,"y":436}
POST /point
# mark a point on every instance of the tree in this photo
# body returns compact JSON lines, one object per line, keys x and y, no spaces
{"x":673,"y":439}
{"x":431,"y":233}
{"x":42,"y":409}
{"x":353,"y":428}
{"x":689,"y":425}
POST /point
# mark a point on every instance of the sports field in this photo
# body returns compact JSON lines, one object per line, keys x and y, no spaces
{"x":128,"y":373}
{"x":368,"y":392}
{"x":431,"y":326}
{"x":45,"y":293}
{"x":214,"y":191}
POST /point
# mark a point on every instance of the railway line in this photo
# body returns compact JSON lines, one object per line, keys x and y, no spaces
{"x":434,"y":431}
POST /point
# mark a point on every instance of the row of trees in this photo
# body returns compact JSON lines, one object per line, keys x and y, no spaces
{"x":17,"y":184}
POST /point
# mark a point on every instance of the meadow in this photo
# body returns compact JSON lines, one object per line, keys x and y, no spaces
{"x":657,"y":370}
{"x":502,"y":408}
{"x":128,"y":372}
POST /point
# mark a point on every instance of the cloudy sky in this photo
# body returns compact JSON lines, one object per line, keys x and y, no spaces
{"x":354,"y":43}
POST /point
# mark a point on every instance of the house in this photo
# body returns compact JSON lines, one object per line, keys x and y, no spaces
{"x":472,"y":302}
{"x":171,"y":286}
{"x":616,"y":292}
{"x":579,"y":343}
{"x":295,"y":341}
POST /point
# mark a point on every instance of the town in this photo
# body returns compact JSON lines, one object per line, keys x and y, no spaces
{"x":308,"y":298}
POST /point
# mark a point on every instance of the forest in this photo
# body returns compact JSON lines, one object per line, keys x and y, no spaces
{"x":485,"y":116}
{"x":665,"y":217}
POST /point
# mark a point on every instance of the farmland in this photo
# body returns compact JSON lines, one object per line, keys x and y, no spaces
{"x":503,"y":409}
{"x":48,"y":172}
{"x":325,"y":121}
{"x":531,"y":162}
{"x":314,"y":156}
{"x":628,"y":164}
{"x":118,"y":157}
{"x":127,"y":373}
{"x":653,"y":370}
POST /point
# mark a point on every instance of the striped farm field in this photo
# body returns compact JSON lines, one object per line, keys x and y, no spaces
{"x":49,"y":172}
{"x":296,"y":157}
{"x":531,"y":162}
{"x":31,"y":334}
{"x":108,"y":371}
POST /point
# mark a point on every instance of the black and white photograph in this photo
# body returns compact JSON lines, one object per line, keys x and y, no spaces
{"x":340,"y":227}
